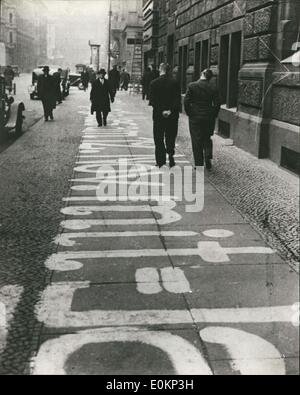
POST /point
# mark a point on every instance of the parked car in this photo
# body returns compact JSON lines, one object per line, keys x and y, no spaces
{"x":11,"y":112}
{"x":75,"y":80}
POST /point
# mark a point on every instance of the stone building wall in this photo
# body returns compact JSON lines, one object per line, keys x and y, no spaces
{"x":244,"y":42}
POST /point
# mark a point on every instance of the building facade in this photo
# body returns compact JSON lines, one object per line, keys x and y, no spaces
{"x":246,"y":43}
{"x":23,"y":33}
{"x":127,"y":36}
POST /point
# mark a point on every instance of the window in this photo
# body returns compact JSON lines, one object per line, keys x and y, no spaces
{"x":183,"y":64}
{"x":11,"y":37}
{"x":11,"y":17}
{"x":170,"y":55}
{"x":201,"y":57}
{"x":230,"y":63}
{"x":133,"y":41}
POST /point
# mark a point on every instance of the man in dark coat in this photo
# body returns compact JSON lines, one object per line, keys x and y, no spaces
{"x":114,"y":78}
{"x":47,"y":93}
{"x":125,"y":79}
{"x":146,"y":80}
{"x":57,"y":82}
{"x":202,"y":106}
{"x":154,"y":73}
{"x":101,"y":96}
{"x":165,"y":98}
{"x":85,"y":78}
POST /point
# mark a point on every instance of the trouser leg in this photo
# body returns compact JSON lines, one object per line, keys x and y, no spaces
{"x":171,"y":135}
{"x":160,"y":149}
{"x":197,"y":142}
{"x":105,"y":114}
{"x":99,"y":117}
{"x":46,"y":107}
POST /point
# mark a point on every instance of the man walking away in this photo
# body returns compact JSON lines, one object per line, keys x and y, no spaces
{"x":101,"y":96}
{"x":46,"y":91}
{"x":154,"y":73}
{"x":165,"y":98}
{"x":146,"y":80}
{"x":85,"y":78}
{"x":57,"y":82}
{"x":202,"y":106}
{"x":114,"y":79}
{"x":125,"y":79}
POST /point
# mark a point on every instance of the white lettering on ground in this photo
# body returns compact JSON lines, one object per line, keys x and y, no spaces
{"x":61,"y":258}
{"x":65,"y":239}
{"x":9,"y":298}
{"x":164,"y":209}
{"x":172,"y":279}
{"x":218,"y":233}
{"x":55,"y":311}
{"x":52,"y":358}
{"x":211,"y":251}
{"x":250,"y":354}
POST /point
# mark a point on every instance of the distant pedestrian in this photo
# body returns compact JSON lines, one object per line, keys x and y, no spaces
{"x":154,"y":72}
{"x":92,"y":76}
{"x":9,"y":76}
{"x":85,"y":78}
{"x":125,"y":79}
{"x":47,"y":93}
{"x":57,"y":82}
{"x":165,"y":98}
{"x":202,"y":106}
{"x":101,"y":96}
{"x":146,"y":80}
{"x":114,"y":78}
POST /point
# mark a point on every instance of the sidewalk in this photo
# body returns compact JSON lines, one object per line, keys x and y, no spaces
{"x":150,"y":287}
{"x":266,"y":195}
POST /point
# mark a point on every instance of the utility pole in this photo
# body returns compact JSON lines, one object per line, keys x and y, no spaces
{"x":109,"y":34}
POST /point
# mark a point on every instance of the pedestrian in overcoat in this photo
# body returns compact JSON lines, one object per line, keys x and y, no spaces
{"x":114,"y":78}
{"x":101,"y":96}
{"x":125,"y":79}
{"x":47,"y":93}
{"x":202,"y":106}
{"x":165,"y":98}
{"x":146,"y":80}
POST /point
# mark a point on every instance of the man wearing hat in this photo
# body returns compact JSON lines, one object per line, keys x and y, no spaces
{"x":47,"y":93}
{"x":101,"y":95}
{"x":202,"y":106}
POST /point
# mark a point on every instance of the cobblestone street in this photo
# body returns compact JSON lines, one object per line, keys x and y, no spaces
{"x":96,"y":286}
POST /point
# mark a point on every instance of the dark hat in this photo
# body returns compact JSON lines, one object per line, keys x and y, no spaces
{"x":101,"y":71}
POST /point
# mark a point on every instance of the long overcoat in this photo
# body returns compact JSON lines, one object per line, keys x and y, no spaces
{"x":46,"y":90}
{"x":101,"y":96}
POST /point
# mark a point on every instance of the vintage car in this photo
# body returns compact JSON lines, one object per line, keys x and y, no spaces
{"x":11,"y":112}
{"x":75,"y":80}
{"x":65,"y":81}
